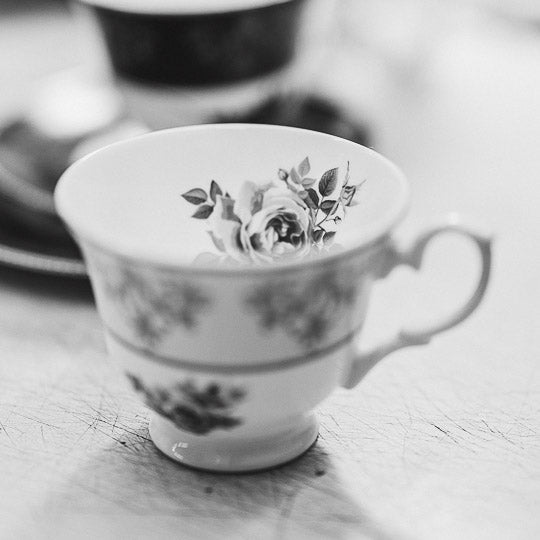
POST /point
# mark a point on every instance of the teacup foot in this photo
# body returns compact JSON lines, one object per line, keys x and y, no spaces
{"x":225,"y":453}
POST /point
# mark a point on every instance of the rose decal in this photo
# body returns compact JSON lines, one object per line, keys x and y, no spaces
{"x":272,"y":223}
{"x":151,"y":307}
{"x":198,"y":410}
{"x":306,"y":309}
{"x":287,"y":218}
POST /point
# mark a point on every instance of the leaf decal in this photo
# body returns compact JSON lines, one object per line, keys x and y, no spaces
{"x":304,"y":167}
{"x":294,"y":176}
{"x":204,"y":211}
{"x":350,"y":193}
{"x":327,"y":206}
{"x":317,"y":235}
{"x":328,"y":182}
{"x":312,"y":199}
{"x":347,"y":174}
{"x":215,"y":190}
{"x":195,"y":196}
{"x":308,"y":182}
{"x":283,"y":174}
{"x":347,"y":194}
{"x":329,"y":236}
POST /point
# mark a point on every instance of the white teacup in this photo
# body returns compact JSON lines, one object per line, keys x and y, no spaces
{"x":232,"y":267}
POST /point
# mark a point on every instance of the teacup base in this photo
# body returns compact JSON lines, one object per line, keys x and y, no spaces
{"x":224,"y":453}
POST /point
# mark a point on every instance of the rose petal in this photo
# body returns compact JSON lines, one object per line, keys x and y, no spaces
{"x":242,"y":205}
{"x":258,"y":238}
{"x":279,"y":193}
{"x":225,"y":230}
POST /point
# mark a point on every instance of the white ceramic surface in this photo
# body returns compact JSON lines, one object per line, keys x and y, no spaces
{"x":182,"y":7}
{"x":234,"y":351}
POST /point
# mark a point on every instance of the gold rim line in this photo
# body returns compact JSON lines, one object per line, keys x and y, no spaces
{"x":231,"y":369}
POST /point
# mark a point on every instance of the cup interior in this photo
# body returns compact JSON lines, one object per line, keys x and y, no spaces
{"x":180,"y":196}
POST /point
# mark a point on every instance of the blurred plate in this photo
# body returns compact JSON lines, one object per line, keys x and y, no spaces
{"x":27,"y":255}
{"x":32,"y":237}
{"x":307,"y":111}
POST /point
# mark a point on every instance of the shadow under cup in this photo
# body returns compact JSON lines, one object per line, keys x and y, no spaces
{"x":180,"y":63}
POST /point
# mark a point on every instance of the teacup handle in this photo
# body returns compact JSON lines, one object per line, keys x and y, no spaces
{"x":363,"y":361}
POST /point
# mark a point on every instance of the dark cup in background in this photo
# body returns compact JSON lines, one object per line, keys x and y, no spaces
{"x":196,"y":61}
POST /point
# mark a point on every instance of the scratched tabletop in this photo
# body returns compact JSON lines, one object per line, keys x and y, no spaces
{"x":436,"y":442}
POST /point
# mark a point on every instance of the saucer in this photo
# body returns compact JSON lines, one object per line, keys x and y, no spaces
{"x":26,"y":254}
{"x":32,"y":237}
{"x":24,"y":247}
{"x":307,"y":111}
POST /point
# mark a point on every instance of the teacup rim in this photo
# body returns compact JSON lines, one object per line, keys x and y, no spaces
{"x":169,"y":8}
{"x":86,"y":237}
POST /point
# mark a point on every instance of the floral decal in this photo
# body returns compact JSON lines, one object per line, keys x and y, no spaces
{"x":290,"y":217}
{"x":197,"y":410}
{"x":305,"y":309}
{"x":153,"y":306}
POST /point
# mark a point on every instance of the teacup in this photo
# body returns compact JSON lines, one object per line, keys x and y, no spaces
{"x":180,"y":62}
{"x":232,"y":267}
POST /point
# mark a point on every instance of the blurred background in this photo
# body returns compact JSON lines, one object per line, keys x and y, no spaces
{"x":395,"y":75}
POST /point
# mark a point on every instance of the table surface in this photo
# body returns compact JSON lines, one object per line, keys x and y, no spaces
{"x":436,"y":442}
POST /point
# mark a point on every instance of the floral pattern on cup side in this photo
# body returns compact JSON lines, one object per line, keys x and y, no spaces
{"x":193,"y":409}
{"x":305,"y":310}
{"x":153,"y":305}
{"x":294,"y":216}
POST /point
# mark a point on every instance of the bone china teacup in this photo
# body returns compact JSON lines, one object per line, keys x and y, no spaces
{"x":232,"y":267}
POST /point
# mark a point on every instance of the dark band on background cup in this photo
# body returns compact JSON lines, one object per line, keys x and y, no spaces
{"x":200,"y":49}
